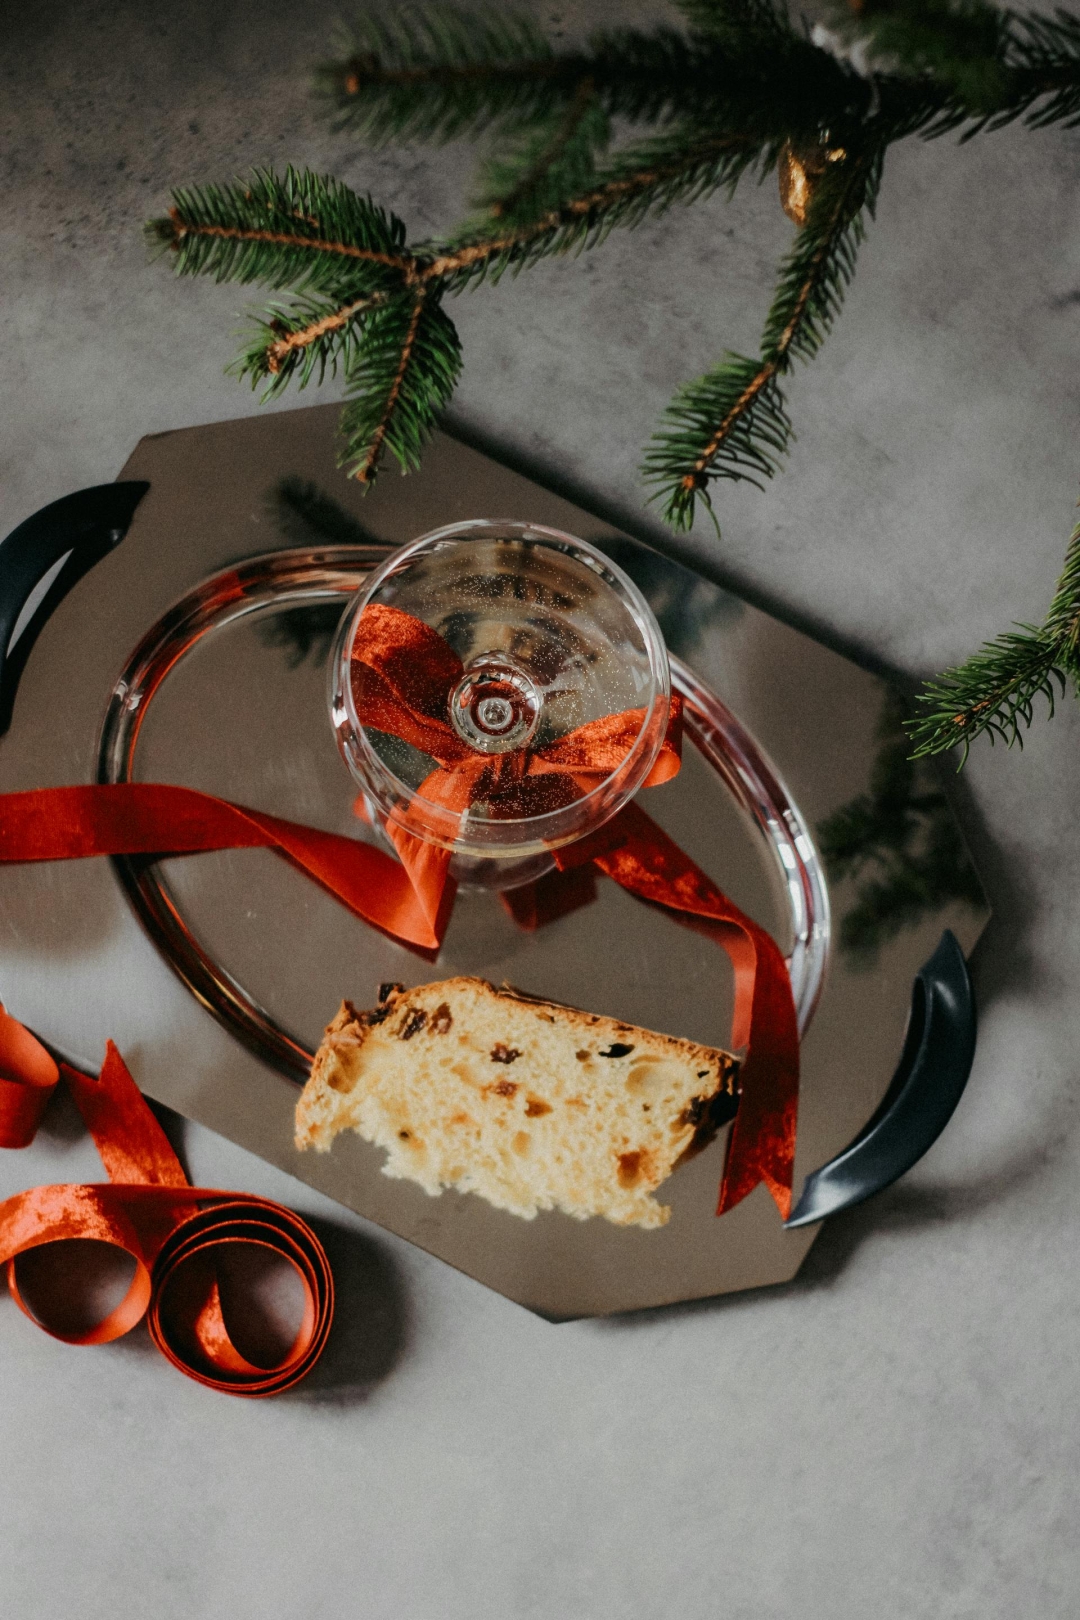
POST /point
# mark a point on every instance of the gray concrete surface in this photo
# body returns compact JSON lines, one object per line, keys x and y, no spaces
{"x":895,"y":1434}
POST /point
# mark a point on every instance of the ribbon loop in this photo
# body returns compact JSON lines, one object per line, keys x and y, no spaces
{"x":188,"y":1323}
{"x":28,"y":1077}
{"x":173,"y":1232}
{"x":403,"y":676}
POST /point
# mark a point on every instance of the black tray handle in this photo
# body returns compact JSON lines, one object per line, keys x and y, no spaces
{"x":88,"y":524}
{"x":934,"y":1066}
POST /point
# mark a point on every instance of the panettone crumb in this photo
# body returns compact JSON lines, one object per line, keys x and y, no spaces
{"x":530,"y":1104}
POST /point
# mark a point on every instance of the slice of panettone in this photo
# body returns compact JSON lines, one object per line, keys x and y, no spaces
{"x":530,"y":1104}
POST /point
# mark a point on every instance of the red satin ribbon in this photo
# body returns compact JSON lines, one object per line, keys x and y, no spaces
{"x":403,"y":674}
{"x":148,"y":1208}
{"x":144,"y":818}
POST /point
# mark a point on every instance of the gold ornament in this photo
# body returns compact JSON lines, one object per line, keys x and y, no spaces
{"x":799,"y":170}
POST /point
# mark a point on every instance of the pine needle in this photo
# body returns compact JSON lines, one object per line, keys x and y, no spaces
{"x":299,"y":230}
{"x":402,"y":378}
{"x":732,"y":423}
{"x":996,"y":691}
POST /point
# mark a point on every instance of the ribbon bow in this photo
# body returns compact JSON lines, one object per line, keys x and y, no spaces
{"x":149,"y":1209}
{"x":403,"y":676}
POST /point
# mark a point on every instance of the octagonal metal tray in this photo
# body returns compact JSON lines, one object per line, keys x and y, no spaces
{"x":194,"y":652}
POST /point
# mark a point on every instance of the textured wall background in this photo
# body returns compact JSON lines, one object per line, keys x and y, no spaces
{"x":894,"y":1434}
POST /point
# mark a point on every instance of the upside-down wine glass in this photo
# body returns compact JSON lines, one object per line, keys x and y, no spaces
{"x":550,"y":635}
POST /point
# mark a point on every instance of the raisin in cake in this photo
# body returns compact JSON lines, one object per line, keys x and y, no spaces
{"x":530,"y":1104}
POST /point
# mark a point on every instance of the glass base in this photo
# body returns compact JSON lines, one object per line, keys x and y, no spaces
{"x":479,"y":872}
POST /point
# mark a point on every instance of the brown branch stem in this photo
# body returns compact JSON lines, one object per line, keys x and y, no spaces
{"x":552,"y":152}
{"x":278,"y":351}
{"x":778,"y":358}
{"x":611,"y":191}
{"x":364,"y":471}
{"x":403,"y":262}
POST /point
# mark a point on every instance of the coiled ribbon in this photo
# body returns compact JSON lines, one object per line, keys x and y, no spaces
{"x":403,"y":675}
{"x":173,"y":1232}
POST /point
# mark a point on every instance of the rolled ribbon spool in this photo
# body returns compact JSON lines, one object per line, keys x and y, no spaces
{"x":148,"y":1209}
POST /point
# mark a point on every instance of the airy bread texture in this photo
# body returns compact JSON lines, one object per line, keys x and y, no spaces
{"x":531,"y":1104}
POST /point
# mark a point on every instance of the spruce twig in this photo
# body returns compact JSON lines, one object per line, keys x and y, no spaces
{"x":647,"y":178}
{"x":438,"y":72}
{"x":732,"y":423}
{"x":994,"y":692}
{"x":302,"y":341}
{"x":370,"y":304}
{"x":402,"y":379}
{"x":299,"y":230}
{"x":552,"y":160}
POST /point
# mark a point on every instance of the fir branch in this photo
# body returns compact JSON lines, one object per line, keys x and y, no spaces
{"x":403,"y":377}
{"x":303,"y":341}
{"x":554,"y":160}
{"x":643,"y":179}
{"x":965,"y":64}
{"x":995,"y":691}
{"x":301,"y":230}
{"x":819,"y":269}
{"x":292,"y":340}
{"x":438,"y":72}
{"x":1062,"y":622}
{"x":958,"y":45}
{"x":434,"y":73}
{"x":729,"y":96}
{"x":732,"y":423}
{"x":1044,"y":58}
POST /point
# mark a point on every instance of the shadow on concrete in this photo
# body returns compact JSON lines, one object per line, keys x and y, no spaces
{"x":1002,"y":961}
{"x":903,"y":1208}
{"x":371,"y":1319}
{"x":62,"y":1124}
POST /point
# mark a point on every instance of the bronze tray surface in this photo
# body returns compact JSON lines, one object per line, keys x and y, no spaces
{"x":241,"y":712}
